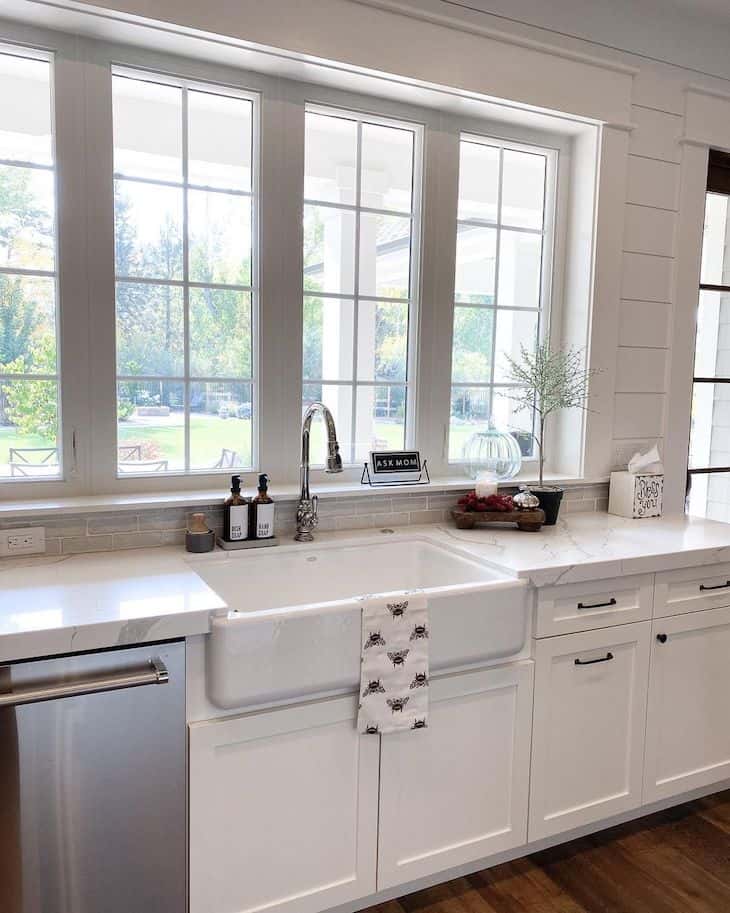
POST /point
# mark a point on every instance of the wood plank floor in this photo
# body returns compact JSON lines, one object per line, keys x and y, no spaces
{"x":677,"y":861}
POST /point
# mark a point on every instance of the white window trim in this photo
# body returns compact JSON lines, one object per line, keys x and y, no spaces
{"x":86,"y":264}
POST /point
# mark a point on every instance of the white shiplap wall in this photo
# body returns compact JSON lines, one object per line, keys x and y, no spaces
{"x":651,"y":212}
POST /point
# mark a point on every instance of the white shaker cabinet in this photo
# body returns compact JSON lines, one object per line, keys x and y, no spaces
{"x":283,"y":810}
{"x":588,"y":730}
{"x":458,"y":790}
{"x":688,"y":724}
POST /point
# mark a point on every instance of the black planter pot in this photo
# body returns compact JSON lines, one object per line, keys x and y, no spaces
{"x":549,"y":499}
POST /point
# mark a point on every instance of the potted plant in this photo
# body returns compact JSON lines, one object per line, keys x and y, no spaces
{"x":547,"y":381}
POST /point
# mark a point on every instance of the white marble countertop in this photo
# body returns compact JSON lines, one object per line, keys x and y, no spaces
{"x":590,"y":546}
{"x":86,"y":602}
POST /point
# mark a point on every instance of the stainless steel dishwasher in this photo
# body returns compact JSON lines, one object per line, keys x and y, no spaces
{"x":93,"y":782}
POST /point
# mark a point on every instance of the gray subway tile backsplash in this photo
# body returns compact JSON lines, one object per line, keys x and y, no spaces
{"x":75,"y":534}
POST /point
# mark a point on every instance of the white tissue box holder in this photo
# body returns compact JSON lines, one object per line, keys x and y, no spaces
{"x":636,"y":494}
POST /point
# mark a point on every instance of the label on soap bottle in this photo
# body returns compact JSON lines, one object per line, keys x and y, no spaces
{"x":264,"y":521}
{"x":238,"y":522}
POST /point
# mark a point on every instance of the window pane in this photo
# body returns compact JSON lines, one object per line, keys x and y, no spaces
{"x":28,"y":321}
{"x":220,"y":333}
{"x":476,"y":257}
{"x":523,"y":189}
{"x":478,"y":181}
{"x":472,"y":345}
{"x":220,"y":238}
{"x":329,"y":325}
{"x":148,"y":230}
{"x":329,"y":250}
{"x":712,"y":345}
{"x":710,"y":429}
{"x":338,"y":399}
{"x":715,"y":266}
{"x":26,"y":218}
{"x":220,"y":425}
{"x":515,"y":329}
{"x":520,"y":259}
{"x":25,"y":110}
{"x":219,"y":141}
{"x":330,"y":158}
{"x":150,"y":329}
{"x":385,"y":255}
{"x":508,"y":417}
{"x":470,"y":409}
{"x":147,"y":129}
{"x":709,"y":496}
{"x":387,"y":168}
{"x":150,"y":427}
{"x":381,"y":419}
{"x":29,"y":429}
{"x":382,"y":341}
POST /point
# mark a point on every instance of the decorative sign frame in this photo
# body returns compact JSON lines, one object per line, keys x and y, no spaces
{"x":395,"y":467}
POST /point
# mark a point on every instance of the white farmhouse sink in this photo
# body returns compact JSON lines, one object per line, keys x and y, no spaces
{"x":293,"y":626}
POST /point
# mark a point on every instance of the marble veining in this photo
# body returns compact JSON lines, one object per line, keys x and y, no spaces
{"x":59,"y":604}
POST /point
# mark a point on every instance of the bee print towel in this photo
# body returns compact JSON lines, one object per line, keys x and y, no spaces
{"x":394,"y":664}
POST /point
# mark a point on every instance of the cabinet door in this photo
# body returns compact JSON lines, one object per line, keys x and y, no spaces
{"x":457,"y":791}
{"x":283,"y":810}
{"x":588,"y":733}
{"x":688,"y":725}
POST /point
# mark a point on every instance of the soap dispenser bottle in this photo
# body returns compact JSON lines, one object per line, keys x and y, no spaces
{"x":262,"y":512}
{"x":236,"y":513}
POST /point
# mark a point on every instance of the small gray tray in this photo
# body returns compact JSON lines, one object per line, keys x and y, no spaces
{"x":246,"y":543}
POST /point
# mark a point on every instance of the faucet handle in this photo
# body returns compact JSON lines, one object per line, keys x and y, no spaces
{"x":315,"y":507}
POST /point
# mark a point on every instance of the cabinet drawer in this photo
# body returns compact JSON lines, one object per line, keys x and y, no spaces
{"x":691,"y":589}
{"x":598,"y":604}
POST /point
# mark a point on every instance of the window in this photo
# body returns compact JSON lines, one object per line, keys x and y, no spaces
{"x":29,"y":371}
{"x":504,"y":224}
{"x":184,"y":212}
{"x":709,"y":447}
{"x":361,"y":229}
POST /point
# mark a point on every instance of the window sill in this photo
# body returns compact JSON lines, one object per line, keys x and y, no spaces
{"x":90,"y":504}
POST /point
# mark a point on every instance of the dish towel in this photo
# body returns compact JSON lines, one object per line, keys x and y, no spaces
{"x":394,"y":664}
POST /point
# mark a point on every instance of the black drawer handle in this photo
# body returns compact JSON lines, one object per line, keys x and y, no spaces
{"x":603,"y":605}
{"x":662,"y":638}
{"x":719,"y":586}
{"x":590,"y":662}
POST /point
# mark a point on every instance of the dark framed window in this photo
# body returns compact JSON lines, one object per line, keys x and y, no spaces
{"x":709,"y":444}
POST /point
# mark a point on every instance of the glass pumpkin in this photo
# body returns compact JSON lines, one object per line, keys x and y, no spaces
{"x":492,"y":451}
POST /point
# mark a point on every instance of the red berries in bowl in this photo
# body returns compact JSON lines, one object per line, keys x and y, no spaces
{"x":500,"y":503}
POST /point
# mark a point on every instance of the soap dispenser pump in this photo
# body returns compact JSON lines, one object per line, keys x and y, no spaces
{"x":262,"y":512}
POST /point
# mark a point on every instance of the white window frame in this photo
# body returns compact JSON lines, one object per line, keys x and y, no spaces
{"x":545,"y":313}
{"x":86,"y":276}
{"x":217,"y":88}
{"x":361,"y":116}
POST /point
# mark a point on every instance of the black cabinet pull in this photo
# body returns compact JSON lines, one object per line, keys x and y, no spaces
{"x":590,"y":662}
{"x":603,"y":605}
{"x":719,"y":586}
{"x":662,"y":638}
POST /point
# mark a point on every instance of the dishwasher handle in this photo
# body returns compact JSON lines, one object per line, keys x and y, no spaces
{"x":155,"y":674}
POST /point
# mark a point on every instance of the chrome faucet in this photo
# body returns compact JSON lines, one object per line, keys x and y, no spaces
{"x":307,"y":508}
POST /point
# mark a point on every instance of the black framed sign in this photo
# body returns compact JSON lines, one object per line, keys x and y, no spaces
{"x":394,"y":467}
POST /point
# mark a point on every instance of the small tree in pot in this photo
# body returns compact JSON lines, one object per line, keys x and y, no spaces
{"x":547,"y":381}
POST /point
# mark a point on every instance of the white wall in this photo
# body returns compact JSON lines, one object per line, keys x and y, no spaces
{"x":658,"y":121}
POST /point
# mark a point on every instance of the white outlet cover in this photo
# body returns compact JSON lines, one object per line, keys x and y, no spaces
{"x":36,"y":544}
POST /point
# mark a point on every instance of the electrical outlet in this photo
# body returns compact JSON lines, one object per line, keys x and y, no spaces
{"x":27,"y":541}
